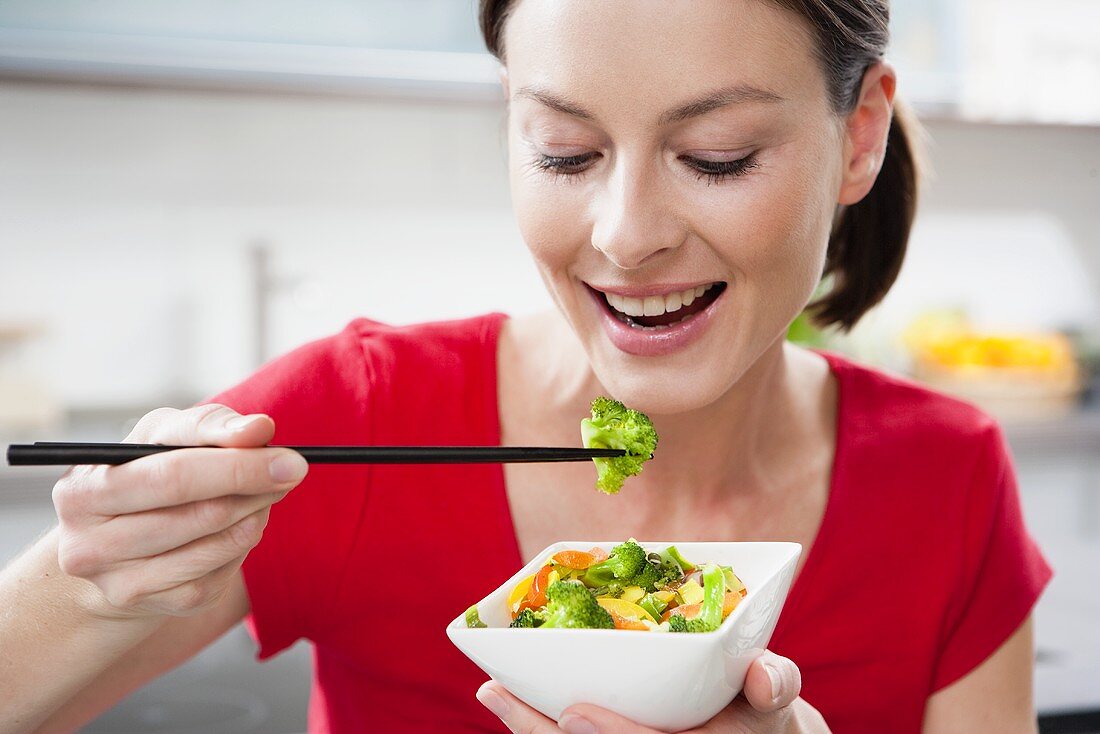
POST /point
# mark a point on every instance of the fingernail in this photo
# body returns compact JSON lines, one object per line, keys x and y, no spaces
{"x":574,"y":724}
{"x":493,"y":701}
{"x":240,"y":422}
{"x":776,"y":681}
{"x":288,"y":466}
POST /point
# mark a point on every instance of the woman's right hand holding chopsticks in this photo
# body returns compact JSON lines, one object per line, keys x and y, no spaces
{"x":165,"y":534}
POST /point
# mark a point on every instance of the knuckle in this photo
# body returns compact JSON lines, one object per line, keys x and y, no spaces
{"x":193,"y":596}
{"x":76,"y":492}
{"x":242,"y":475}
{"x":166,"y":472}
{"x":213,"y":514}
{"x":150,"y":424}
{"x":64,"y":497}
{"x":124,"y":591}
{"x":78,"y":558}
{"x":244,"y":535}
{"x":124,"y":597}
{"x":204,"y":415}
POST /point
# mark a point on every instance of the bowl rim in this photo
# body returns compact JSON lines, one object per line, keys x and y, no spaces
{"x":458,"y":624}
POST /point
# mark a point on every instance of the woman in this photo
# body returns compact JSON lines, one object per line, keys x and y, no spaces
{"x":682,"y":175}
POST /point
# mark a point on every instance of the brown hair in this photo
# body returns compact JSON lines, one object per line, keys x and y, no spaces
{"x":867,"y":244}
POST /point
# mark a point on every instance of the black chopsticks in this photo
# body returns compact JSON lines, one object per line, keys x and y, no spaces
{"x":44,"y":453}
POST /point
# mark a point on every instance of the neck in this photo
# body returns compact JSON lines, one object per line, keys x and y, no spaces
{"x":736,"y":442}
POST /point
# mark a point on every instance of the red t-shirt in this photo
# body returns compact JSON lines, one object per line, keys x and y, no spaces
{"x":921,"y":569}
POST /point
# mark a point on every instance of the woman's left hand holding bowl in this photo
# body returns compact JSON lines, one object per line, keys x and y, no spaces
{"x":768,"y":704}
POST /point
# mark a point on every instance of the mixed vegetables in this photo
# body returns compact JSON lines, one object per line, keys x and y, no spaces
{"x":614,"y":426}
{"x":628,"y":589}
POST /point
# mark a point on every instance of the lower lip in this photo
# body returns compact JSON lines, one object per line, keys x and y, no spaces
{"x":653,"y":342}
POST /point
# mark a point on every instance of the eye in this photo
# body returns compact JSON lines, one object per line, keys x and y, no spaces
{"x":565,"y":165}
{"x":717,"y":171}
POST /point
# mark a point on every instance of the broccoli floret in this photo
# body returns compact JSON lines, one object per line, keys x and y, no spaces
{"x":614,"y":426}
{"x":571,"y":605}
{"x":668,"y":570}
{"x":473,"y":619}
{"x":648,"y":577}
{"x":626,"y":561}
{"x":710,"y":614}
{"x":677,"y":623}
{"x":528,"y":618}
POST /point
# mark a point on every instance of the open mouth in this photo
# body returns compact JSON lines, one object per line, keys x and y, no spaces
{"x":664,"y":310}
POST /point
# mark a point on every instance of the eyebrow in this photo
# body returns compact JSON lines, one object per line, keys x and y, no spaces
{"x":554,"y":102}
{"x":721,"y":98}
{"x":708,"y":103}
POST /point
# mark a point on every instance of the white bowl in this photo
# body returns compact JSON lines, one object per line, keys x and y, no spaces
{"x":665,"y":681}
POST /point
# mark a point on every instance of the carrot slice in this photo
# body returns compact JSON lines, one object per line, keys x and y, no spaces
{"x":687,"y":611}
{"x":599,"y":553}
{"x":690,"y":611}
{"x":536,"y":596}
{"x":575,"y":559}
{"x":622,"y":623}
{"x":730,"y":602}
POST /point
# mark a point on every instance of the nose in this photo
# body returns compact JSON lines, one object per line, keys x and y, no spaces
{"x":634,"y":218}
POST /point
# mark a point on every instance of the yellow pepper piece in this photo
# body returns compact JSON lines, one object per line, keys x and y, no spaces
{"x":632,"y":594}
{"x":664,"y":596}
{"x":691,"y":592}
{"x":519,"y":592}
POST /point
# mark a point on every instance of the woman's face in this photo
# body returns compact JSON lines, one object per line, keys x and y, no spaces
{"x":674,"y":167}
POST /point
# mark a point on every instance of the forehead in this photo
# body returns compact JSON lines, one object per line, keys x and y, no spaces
{"x":657,"y":52}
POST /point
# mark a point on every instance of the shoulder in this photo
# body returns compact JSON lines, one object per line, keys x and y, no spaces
{"x":338,"y":378}
{"x":439,"y":345}
{"x":896,"y":414}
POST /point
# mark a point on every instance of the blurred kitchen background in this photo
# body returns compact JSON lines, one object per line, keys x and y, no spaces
{"x":189,"y":188}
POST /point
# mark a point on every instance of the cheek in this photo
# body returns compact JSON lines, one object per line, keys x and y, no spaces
{"x":774,"y":230}
{"x":550,"y":216}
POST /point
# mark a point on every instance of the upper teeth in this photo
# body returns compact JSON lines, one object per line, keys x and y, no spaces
{"x":656,"y":305}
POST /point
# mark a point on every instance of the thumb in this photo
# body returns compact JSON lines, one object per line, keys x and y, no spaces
{"x":772,"y":682}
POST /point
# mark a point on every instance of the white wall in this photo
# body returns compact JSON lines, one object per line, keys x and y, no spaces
{"x":126,"y":216}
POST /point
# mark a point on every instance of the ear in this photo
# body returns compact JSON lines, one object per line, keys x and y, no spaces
{"x":865,"y":131}
{"x":503,"y":74}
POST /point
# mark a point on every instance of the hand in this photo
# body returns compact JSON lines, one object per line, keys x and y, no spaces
{"x":768,"y":704}
{"x":165,"y":534}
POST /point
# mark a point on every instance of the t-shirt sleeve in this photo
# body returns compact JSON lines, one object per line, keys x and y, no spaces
{"x":1002,"y":570}
{"x":316,"y":395}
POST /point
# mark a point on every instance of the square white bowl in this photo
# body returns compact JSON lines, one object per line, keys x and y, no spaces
{"x":665,"y":681}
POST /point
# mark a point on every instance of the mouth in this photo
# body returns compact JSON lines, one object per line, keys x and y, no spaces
{"x":659,"y":311}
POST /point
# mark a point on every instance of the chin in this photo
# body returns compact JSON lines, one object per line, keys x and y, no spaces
{"x":666,"y":389}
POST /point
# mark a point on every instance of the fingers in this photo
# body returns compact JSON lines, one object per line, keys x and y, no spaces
{"x":143,"y":534}
{"x":192,"y":596}
{"x":588,"y":719}
{"x":166,"y":534}
{"x":179,"y":477}
{"x":771,"y":686}
{"x":579,"y":719}
{"x":203,"y":425}
{"x":187,"y":578}
{"x":516,"y":715}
